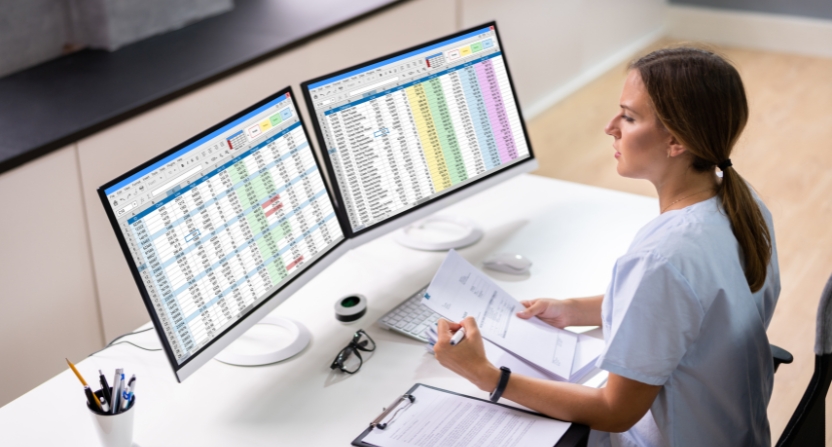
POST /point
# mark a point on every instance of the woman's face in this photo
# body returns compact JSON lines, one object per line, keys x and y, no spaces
{"x":641,"y":142}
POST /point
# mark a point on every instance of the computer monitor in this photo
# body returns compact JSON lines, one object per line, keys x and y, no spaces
{"x":222,"y":228}
{"x":410,"y":133}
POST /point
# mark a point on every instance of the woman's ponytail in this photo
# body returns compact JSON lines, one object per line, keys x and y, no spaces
{"x":700,"y":99}
{"x":749,"y":226}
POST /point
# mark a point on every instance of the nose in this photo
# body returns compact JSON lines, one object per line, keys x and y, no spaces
{"x":611,"y":129}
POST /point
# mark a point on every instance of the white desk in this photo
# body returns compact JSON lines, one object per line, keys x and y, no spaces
{"x":572,"y":233}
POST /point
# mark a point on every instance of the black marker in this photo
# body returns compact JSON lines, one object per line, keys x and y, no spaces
{"x":105,"y":387}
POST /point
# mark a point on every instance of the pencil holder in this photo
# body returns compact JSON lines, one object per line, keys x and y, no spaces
{"x":114,"y":430}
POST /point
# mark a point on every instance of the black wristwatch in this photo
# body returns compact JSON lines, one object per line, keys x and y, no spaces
{"x":501,"y":385}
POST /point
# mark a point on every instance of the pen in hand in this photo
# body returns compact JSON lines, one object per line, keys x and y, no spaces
{"x":458,"y":336}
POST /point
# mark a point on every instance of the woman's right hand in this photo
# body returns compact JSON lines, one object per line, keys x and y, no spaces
{"x":558,"y":313}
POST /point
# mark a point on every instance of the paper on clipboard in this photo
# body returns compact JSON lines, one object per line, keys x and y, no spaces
{"x":440,"y":418}
{"x":459,"y":289}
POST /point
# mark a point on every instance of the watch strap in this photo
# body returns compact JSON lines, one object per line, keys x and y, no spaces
{"x":501,"y":385}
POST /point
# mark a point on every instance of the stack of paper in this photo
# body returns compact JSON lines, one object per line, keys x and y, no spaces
{"x":529,"y":347}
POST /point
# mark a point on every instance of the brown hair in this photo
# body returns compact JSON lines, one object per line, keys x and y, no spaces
{"x":699,"y":97}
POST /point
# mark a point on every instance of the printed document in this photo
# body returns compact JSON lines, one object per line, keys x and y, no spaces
{"x":586,"y":354}
{"x":441,"y":419}
{"x":459,"y":289}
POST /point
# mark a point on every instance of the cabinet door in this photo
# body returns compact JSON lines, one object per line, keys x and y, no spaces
{"x":47,"y":293}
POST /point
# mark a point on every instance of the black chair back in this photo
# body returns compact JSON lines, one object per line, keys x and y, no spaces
{"x":807,"y":427}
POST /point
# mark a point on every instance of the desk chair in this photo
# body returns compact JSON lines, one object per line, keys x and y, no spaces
{"x":807,"y":425}
{"x":780,"y":356}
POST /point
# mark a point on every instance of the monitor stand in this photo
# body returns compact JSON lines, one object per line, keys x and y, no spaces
{"x":298,"y":335}
{"x":439,"y":233}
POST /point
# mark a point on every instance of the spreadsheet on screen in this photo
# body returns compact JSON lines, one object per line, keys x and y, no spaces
{"x":410,"y":128}
{"x":222,"y":223}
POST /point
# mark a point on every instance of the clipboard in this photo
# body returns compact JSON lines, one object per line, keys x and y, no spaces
{"x":576,"y":435}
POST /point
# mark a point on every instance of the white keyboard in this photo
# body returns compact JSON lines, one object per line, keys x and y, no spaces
{"x":411,"y":317}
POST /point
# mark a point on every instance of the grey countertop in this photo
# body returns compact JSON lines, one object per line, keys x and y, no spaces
{"x":61,"y":101}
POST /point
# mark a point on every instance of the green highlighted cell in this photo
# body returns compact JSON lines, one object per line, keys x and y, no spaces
{"x":255,"y":191}
{"x":476,"y":47}
{"x":277,"y":271}
{"x":257,"y":221}
{"x":445,"y":131}
{"x":238,"y":172}
{"x":275,"y":119}
{"x":268,"y":242}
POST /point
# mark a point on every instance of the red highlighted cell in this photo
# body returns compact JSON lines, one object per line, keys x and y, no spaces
{"x":294,"y":263}
{"x":270,"y":201}
{"x":273,"y":210}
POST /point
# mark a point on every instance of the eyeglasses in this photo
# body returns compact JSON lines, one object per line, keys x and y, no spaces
{"x":349,"y":359}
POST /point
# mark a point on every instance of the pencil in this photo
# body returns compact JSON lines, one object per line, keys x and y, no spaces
{"x":83,"y":382}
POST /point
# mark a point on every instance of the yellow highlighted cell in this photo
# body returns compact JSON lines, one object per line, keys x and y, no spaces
{"x":418,"y":102}
{"x":265,"y":125}
{"x":465,"y":51}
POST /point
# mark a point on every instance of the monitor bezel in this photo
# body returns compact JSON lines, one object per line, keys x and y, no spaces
{"x":207,"y":352}
{"x":414,"y":213}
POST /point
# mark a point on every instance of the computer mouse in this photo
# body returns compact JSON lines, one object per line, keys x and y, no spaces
{"x":508,"y":263}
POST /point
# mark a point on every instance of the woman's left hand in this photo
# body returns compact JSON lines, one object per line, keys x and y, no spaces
{"x":466,"y":358}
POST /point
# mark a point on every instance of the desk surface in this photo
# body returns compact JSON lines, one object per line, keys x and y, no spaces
{"x":572,"y":233}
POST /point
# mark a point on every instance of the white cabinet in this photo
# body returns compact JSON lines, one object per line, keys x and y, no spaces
{"x":48,"y":307}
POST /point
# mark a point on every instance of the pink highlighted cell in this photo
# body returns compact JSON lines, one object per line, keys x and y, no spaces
{"x":496,"y":111}
{"x":294,"y":263}
{"x":268,"y":203}
{"x":273,"y":209}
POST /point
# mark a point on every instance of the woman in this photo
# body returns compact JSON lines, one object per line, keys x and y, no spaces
{"x":685,"y":315}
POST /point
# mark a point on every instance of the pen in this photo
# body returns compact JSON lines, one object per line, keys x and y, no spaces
{"x":104,"y":406}
{"x":105,"y":387}
{"x":118,"y":383}
{"x":94,"y":402}
{"x":91,"y":397}
{"x":127,"y":395}
{"x":458,"y":336}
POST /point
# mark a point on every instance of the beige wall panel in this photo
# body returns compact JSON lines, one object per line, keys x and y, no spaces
{"x":550,"y":43}
{"x":48,"y":307}
{"x":114,"y":151}
{"x":541,"y":39}
{"x":609,"y":25}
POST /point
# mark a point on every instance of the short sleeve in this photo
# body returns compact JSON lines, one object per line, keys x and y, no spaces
{"x":653,"y":317}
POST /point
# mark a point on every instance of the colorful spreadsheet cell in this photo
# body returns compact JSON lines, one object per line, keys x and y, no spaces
{"x":229,"y":239}
{"x":400,"y":146}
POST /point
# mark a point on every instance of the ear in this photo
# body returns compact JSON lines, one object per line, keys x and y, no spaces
{"x":675,"y":147}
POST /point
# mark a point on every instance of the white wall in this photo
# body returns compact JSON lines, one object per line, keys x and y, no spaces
{"x":746,"y":29}
{"x":553,"y":48}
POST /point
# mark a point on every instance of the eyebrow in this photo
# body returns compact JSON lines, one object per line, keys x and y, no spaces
{"x":630,"y":109}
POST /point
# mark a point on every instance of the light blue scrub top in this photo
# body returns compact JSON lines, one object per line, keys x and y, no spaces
{"x":679,"y":313}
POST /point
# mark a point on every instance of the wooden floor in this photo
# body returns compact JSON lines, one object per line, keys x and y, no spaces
{"x":785,"y":153}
